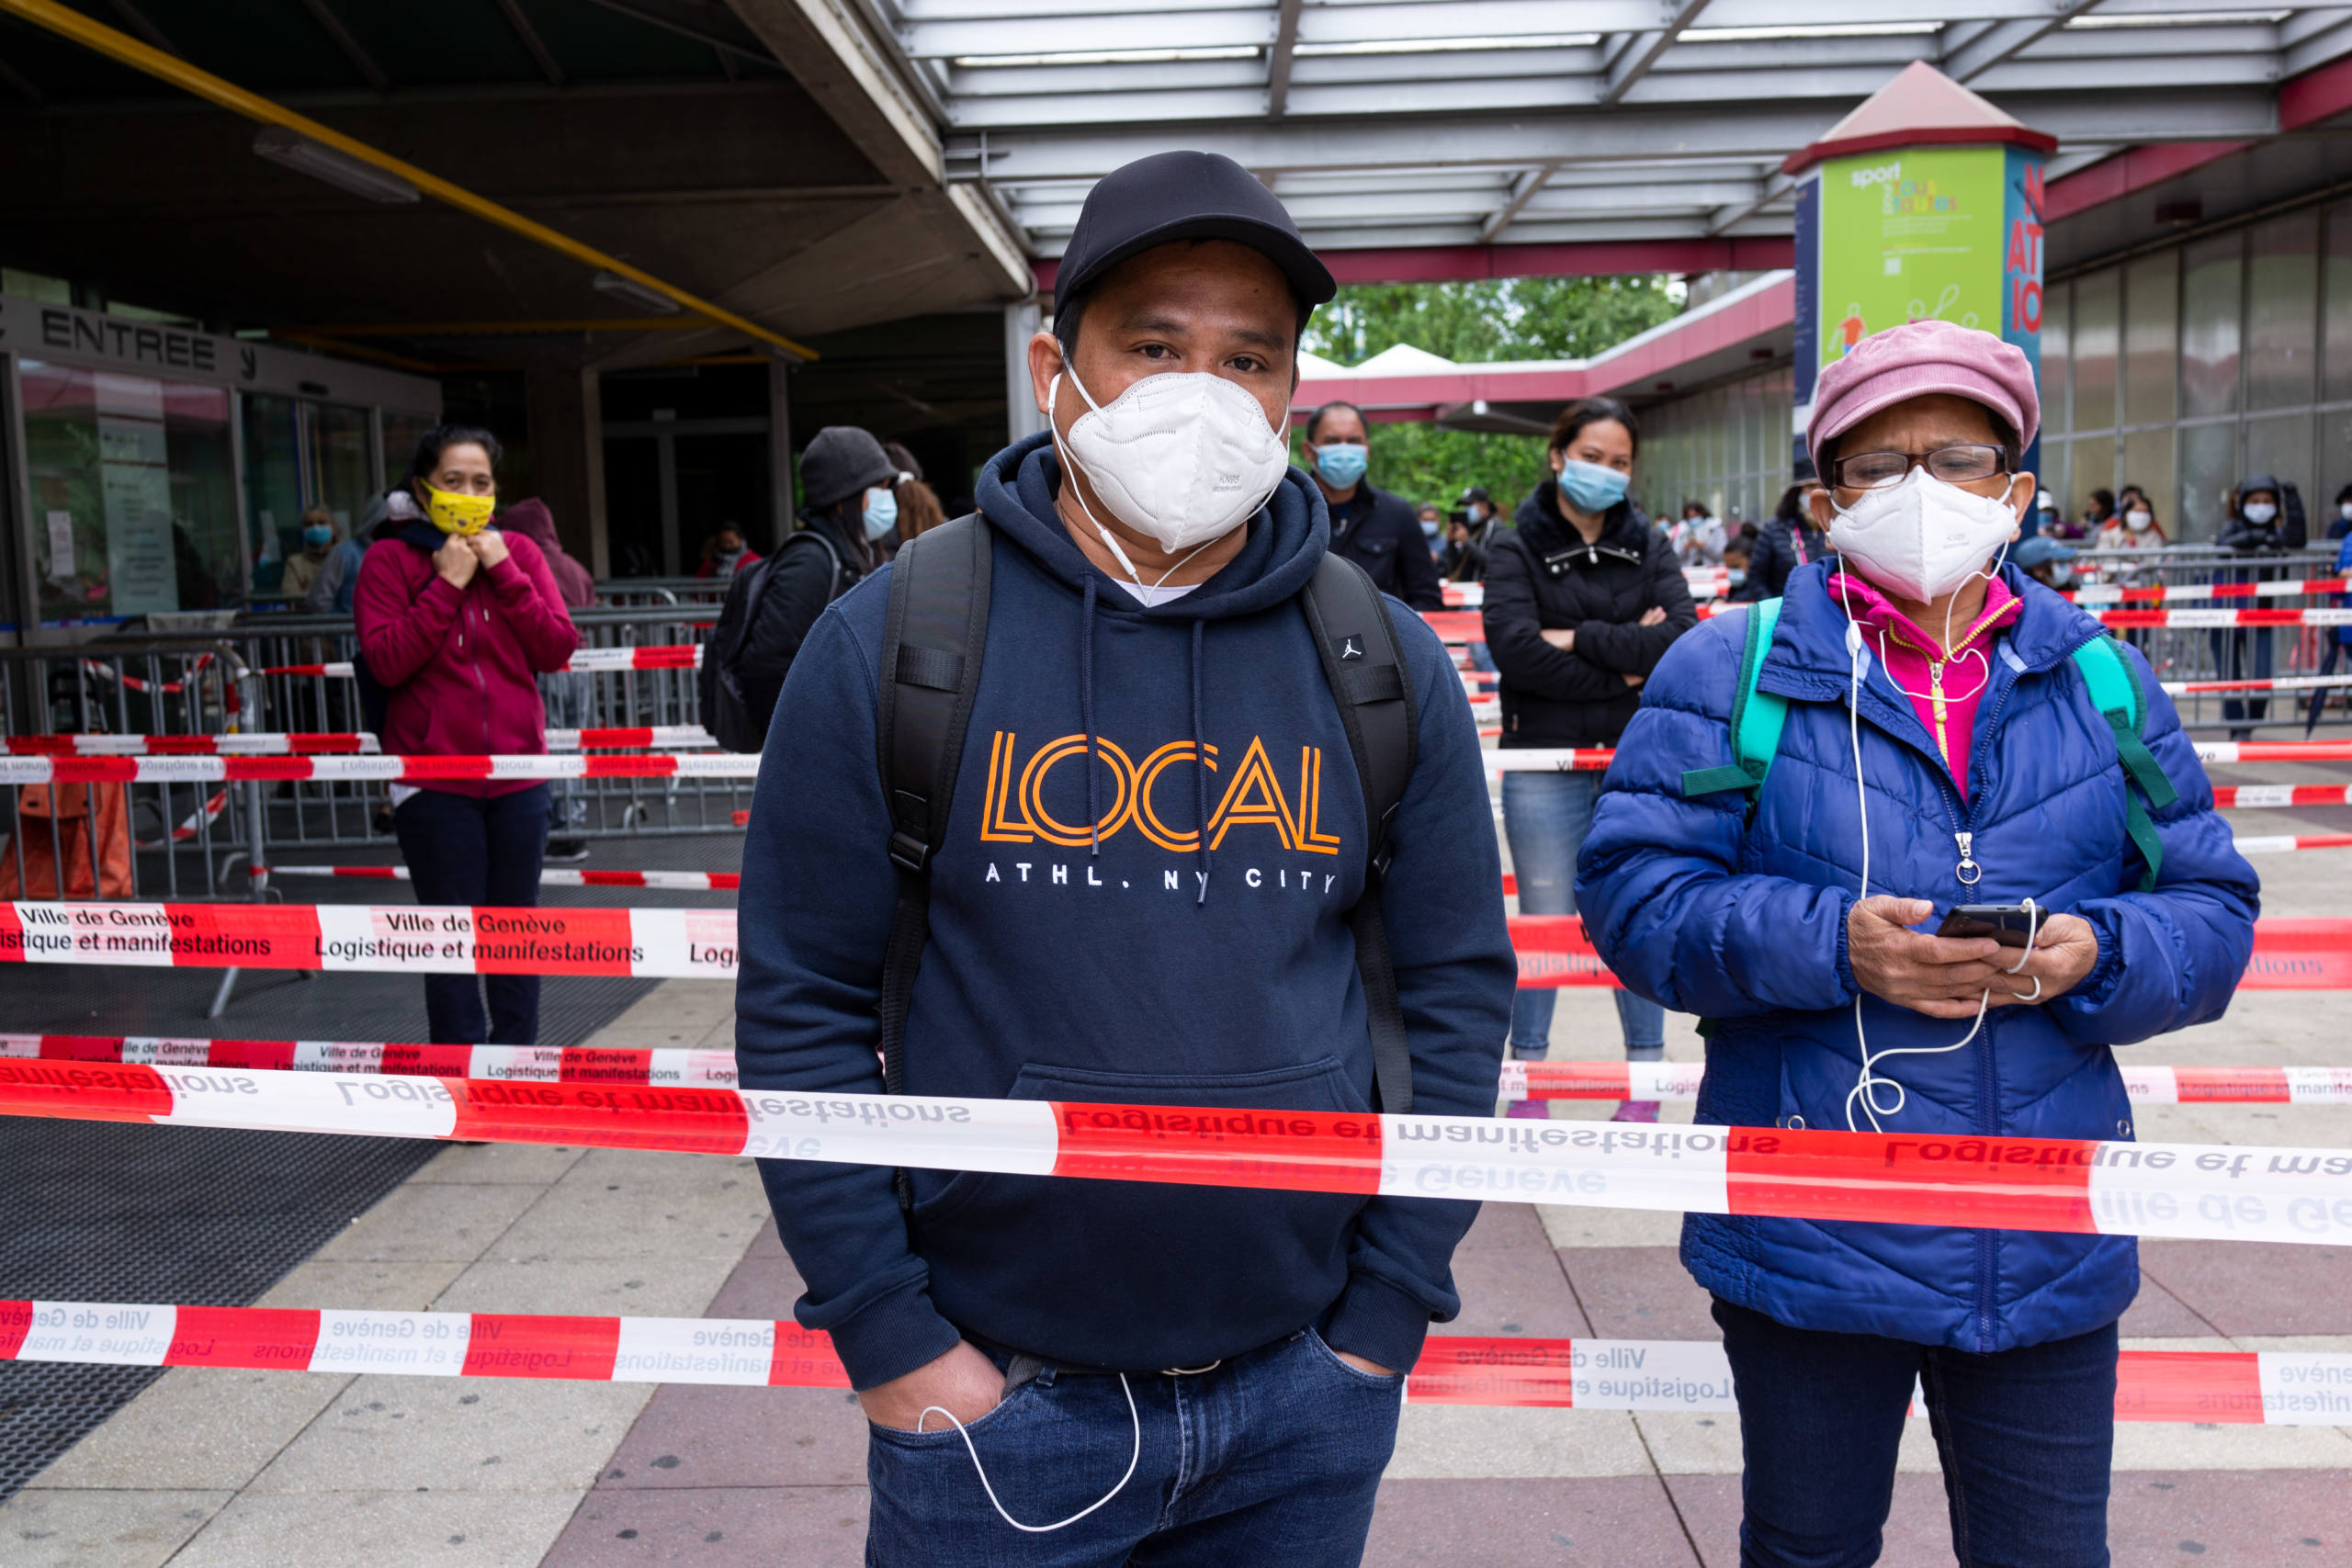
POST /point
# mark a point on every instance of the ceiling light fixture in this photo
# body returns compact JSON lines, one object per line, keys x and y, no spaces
{"x":629,"y":291}
{"x":295,"y":151}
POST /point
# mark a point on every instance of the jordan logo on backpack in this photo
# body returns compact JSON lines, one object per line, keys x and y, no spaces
{"x":1350,"y":648}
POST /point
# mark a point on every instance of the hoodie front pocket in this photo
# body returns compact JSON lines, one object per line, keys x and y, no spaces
{"x":1136,"y":1274}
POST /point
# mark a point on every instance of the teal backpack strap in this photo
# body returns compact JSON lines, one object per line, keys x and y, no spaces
{"x":2115,"y":691}
{"x":1756,"y":716}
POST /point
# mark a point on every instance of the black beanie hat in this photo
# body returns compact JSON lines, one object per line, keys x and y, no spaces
{"x":842,"y":461}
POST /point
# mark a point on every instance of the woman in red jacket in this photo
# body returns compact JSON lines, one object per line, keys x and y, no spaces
{"x":456,"y":620}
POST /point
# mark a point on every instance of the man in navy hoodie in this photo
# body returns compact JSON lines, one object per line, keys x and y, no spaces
{"x":1177,"y":1375}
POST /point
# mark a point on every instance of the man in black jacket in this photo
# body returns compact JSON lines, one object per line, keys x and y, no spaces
{"x":817,"y":562}
{"x":1371,"y":528}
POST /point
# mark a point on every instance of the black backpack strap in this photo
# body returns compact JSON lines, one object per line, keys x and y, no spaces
{"x":1366,"y":669}
{"x":931,"y":673}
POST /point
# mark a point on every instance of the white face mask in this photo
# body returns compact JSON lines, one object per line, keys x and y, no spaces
{"x":1921,"y":539}
{"x":2138,"y":519}
{"x":2260,"y":512}
{"x":1184,"y":457}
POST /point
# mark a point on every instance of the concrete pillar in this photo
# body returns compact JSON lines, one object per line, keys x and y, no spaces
{"x":780,"y":452}
{"x":1022,"y":418}
{"x":566,"y":411}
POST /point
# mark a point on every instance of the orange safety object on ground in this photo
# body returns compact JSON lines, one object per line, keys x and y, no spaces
{"x":67,"y":807}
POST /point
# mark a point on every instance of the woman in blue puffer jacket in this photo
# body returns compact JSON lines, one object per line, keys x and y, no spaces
{"x":1926,"y":678}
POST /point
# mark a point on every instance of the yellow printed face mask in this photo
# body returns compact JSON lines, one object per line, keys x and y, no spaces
{"x":458,"y":513}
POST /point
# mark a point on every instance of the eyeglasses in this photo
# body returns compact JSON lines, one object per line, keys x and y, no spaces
{"x":1953,"y":465}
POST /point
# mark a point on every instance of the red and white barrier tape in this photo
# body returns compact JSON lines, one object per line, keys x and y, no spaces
{"x":2261,"y":797}
{"x":1548,"y":760}
{"x":108,"y":672}
{"x":532,"y":1064}
{"x":2276,"y":1388}
{"x":1677,"y":1081}
{"x":2309,"y":955}
{"x":2288,"y":955}
{"x":663,"y":736}
{"x":2279,"y":843}
{"x":2163,"y":593}
{"x":588,"y":660}
{"x":549,"y":876}
{"x":218,"y":768}
{"x":1464,"y":626}
{"x":2239,"y":752}
{"x":2206,"y":1193}
{"x":209,"y":812}
{"x":2281,"y":683}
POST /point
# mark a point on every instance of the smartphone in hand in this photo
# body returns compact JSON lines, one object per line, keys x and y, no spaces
{"x":2008,"y":924}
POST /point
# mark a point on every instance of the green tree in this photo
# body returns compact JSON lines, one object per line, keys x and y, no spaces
{"x":1479,"y":322}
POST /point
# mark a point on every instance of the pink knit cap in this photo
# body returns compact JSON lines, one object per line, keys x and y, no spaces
{"x":1918,"y":358}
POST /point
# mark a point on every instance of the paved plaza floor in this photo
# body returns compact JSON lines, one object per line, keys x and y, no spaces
{"x":209,"y":1469}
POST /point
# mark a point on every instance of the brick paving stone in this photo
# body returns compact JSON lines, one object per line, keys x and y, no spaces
{"x":2157,"y":1314}
{"x":767,"y":1526}
{"x":1625,"y":1521}
{"x":2249,"y":1287}
{"x":1918,"y":1534}
{"x":707,"y":1436}
{"x":2223,"y":1519}
{"x":1509,"y":1280}
{"x":1638,"y":1292}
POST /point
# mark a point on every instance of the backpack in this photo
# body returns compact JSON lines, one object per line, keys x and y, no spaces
{"x":726,"y":712}
{"x":932,"y":641}
{"x":1757,"y":718}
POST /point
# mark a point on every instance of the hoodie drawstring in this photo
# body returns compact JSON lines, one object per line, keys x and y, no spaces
{"x":1200,"y":763}
{"x":1085,"y":715}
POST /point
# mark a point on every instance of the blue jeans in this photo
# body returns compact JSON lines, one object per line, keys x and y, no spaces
{"x":2027,"y":1438}
{"x":1271,"y":1457}
{"x":464,"y":848}
{"x":1545,"y":817}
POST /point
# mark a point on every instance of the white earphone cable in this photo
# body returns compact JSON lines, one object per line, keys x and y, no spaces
{"x":1866,"y":1082}
{"x":1132,"y":1459}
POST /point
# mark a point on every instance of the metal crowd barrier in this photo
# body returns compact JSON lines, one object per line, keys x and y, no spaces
{"x":2235,"y":653}
{"x":186,"y":840}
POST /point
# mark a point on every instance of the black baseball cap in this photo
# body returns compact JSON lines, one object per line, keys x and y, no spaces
{"x":1186,"y":195}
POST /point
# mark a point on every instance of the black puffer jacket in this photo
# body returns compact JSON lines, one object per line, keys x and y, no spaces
{"x":1776,"y":554}
{"x":1544,"y":577}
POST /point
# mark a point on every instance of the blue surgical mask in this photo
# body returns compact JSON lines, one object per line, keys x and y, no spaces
{"x":1429,"y":529}
{"x":881,"y":511}
{"x":1342,"y":463}
{"x":317,"y":534}
{"x":1590,"y":487}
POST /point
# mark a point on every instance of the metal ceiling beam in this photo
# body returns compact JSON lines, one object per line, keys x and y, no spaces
{"x":1990,"y":46}
{"x":536,"y":46}
{"x":1767,"y":192}
{"x":1628,"y":134}
{"x":2309,"y":39}
{"x":1641,"y":50}
{"x":707,"y":22}
{"x":340,"y":36}
{"x":833,"y":55}
{"x":1522,"y":191}
{"x":1278,"y":59}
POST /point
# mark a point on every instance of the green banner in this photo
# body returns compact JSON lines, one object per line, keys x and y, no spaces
{"x":1909,"y":234}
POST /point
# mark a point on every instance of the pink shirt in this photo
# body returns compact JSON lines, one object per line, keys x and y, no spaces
{"x":1944,"y":686}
